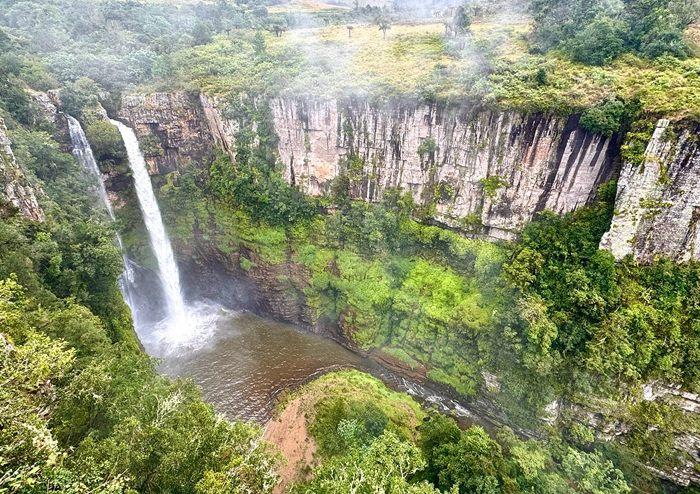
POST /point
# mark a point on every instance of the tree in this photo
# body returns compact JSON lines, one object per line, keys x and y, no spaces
{"x":384,"y":466}
{"x":461,"y":21}
{"x":606,"y":118}
{"x":475,"y":464}
{"x":201,"y":33}
{"x":384,"y":26}
{"x":593,"y":474}
{"x":599,"y":42}
{"x":350,"y":28}
{"x":278,"y":29}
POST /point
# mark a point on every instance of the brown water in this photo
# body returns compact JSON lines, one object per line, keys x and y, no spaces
{"x":243,"y":363}
{"x":251,"y":361}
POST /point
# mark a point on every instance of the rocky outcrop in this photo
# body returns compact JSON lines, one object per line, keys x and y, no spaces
{"x":496,"y":169}
{"x":603,"y":417}
{"x":223,"y":129}
{"x":657,"y":211}
{"x":171,"y":127}
{"x":16,"y":193}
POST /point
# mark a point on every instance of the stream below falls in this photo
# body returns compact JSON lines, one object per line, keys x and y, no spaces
{"x":248,"y":362}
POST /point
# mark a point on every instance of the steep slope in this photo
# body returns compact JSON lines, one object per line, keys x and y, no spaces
{"x":15,"y":190}
{"x":658,"y":201}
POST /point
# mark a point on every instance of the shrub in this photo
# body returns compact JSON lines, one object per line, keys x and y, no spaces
{"x":605,"y":118}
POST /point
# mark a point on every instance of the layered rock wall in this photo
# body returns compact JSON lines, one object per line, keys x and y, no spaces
{"x":657,"y":210}
{"x":172,"y":129}
{"x":499,"y":169}
{"x":491,"y":170}
{"x":15,"y":190}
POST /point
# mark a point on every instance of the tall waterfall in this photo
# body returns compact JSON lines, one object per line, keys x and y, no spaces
{"x":83,"y":152}
{"x":170,"y":277}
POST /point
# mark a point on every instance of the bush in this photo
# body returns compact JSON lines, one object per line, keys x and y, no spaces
{"x":106,"y":142}
{"x":599,"y":43}
{"x":605,"y":118}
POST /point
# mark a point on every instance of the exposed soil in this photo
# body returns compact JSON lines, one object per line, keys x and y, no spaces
{"x":289,"y":433}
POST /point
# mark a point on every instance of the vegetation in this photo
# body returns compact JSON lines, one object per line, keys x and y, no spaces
{"x":82,"y":408}
{"x":368,"y":440}
{"x":556,"y":316}
{"x":568,"y":57}
{"x":550,"y":316}
{"x":597,"y":32}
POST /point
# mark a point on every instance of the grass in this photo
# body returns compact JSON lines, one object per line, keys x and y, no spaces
{"x":402,"y":411}
{"x":416,"y":61}
{"x":364,"y":63}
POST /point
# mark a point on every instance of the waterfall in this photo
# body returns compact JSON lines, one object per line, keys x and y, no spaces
{"x":170,"y":277}
{"x":83,"y":153}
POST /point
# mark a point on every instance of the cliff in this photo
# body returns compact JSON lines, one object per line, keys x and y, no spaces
{"x":657,"y":209}
{"x":496,"y":169}
{"x":483,"y":171}
{"x":172,"y":129}
{"x":15,"y":190}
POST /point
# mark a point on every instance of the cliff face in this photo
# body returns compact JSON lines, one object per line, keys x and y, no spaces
{"x":497,"y":169}
{"x":15,"y":190}
{"x":488,"y":172}
{"x":171,"y":127}
{"x":657,"y":211}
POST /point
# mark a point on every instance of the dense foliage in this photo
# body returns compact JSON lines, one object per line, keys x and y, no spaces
{"x":118,"y":43}
{"x":596,"y":32}
{"x":366,"y":445}
{"x":82,"y":408}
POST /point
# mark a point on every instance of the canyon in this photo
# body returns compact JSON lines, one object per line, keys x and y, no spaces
{"x":486,"y":174}
{"x":541,"y":162}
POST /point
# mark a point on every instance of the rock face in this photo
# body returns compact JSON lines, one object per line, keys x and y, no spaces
{"x":658,"y":202}
{"x":171,"y":127}
{"x":496,"y":169}
{"x":484,"y":171}
{"x":223,"y":129}
{"x":15,"y":190}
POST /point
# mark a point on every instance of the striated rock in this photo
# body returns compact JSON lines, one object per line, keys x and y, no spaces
{"x":223,"y":130}
{"x":483,"y":171}
{"x":171,"y":127}
{"x":690,"y":402}
{"x":657,"y":211}
{"x":15,"y":189}
{"x":496,"y":168}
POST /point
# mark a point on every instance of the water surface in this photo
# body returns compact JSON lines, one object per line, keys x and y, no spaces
{"x":250,"y":361}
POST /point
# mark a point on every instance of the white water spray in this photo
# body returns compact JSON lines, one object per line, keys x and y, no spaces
{"x":178,"y":324}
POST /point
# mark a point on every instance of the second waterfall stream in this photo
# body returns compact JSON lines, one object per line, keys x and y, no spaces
{"x":179,"y":327}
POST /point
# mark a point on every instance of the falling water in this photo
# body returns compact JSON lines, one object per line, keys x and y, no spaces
{"x":83,"y":152}
{"x":170,"y":277}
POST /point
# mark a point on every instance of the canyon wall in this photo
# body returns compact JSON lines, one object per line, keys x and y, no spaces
{"x":15,"y":190}
{"x":172,"y":129}
{"x":657,"y":210}
{"x":482,"y":171}
{"x":476,"y":167}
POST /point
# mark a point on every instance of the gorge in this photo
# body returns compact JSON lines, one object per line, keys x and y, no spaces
{"x":551,"y":164}
{"x":291,"y":247}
